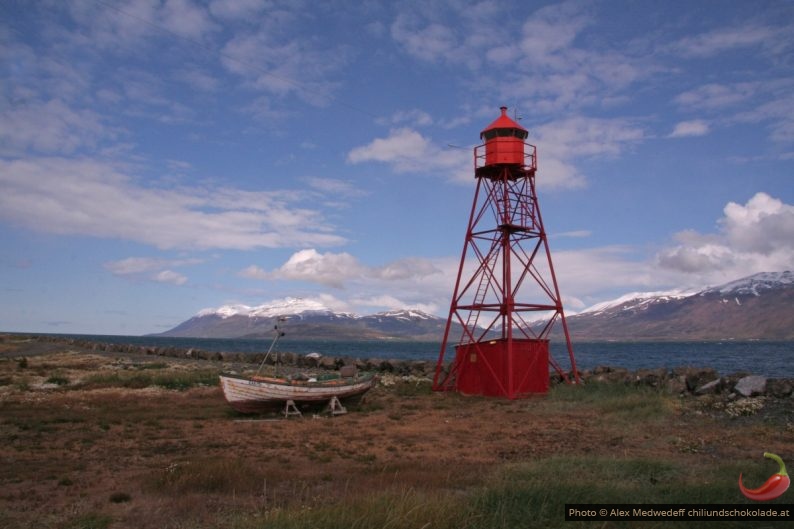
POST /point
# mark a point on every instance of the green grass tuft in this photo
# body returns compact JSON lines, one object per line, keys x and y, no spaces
{"x":180,"y":380}
{"x":214,"y":476}
{"x":59,"y":380}
{"x":90,"y":521}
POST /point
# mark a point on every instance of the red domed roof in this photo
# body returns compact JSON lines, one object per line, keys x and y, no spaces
{"x":502,"y":122}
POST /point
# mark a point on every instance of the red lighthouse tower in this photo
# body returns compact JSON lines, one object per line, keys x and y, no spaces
{"x":506,"y":297}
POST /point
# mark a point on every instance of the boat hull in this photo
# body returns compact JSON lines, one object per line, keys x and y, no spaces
{"x":257,"y":395}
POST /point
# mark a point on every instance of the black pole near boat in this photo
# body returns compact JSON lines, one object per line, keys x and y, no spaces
{"x":279,"y":334}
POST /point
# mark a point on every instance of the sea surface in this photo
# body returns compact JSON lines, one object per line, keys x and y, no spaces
{"x":772,"y":359}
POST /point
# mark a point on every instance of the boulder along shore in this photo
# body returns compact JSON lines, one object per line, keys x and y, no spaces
{"x":683,"y":381}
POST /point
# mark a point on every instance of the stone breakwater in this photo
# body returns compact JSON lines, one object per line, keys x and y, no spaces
{"x":697,"y":381}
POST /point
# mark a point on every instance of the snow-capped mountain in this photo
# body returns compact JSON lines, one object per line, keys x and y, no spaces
{"x":308,"y":319}
{"x":760,"y":306}
{"x":756,"y":284}
{"x":284,"y":307}
{"x":638,"y":299}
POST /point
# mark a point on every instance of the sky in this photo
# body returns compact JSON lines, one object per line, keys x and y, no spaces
{"x":160,"y":157}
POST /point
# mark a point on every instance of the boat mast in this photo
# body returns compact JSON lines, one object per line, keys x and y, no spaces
{"x":278,"y":334}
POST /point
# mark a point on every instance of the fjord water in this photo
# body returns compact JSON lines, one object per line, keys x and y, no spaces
{"x":772,"y":359}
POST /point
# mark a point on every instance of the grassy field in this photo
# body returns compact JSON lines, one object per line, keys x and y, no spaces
{"x":108,"y":441}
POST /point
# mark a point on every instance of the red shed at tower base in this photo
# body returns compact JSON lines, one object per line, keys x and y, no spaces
{"x":492,"y":369}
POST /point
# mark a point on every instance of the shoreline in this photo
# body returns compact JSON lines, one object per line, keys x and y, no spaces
{"x":688,"y":380}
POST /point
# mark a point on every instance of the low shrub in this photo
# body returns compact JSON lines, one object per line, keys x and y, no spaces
{"x":59,"y":380}
{"x":120,"y":497}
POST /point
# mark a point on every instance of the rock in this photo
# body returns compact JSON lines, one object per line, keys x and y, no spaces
{"x":227,"y":356}
{"x":751,"y":386}
{"x":675,"y":385}
{"x":345,"y":361}
{"x":420,"y":368}
{"x":386,"y":365}
{"x":696,"y":376}
{"x":287,"y":358}
{"x":710,"y":388}
{"x":780,"y":387}
{"x":327,"y":362}
{"x":618,"y":374}
{"x":650,"y":377}
{"x":401,"y":367}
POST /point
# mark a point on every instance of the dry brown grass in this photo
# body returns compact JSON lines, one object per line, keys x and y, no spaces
{"x":82,"y":455}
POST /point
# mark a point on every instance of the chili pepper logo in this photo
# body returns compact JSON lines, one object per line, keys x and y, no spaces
{"x":774,"y":486}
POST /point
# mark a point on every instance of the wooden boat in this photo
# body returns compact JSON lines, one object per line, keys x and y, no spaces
{"x":258,"y":393}
{"x":255,"y":394}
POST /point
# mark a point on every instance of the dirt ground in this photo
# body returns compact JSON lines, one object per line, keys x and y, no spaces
{"x":142,"y":456}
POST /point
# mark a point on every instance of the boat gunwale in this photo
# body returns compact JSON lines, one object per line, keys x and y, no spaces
{"x":328,"y":383}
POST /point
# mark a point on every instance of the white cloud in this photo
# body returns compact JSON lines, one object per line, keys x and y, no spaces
{"x":141,"y":265}
{"x":696,"y":127}
{"x":553,"y":68}
{"x":763,"y":225}
{"x":563,"y":141}
{"x":777,"y":110}
{"x":236,"y":9}
{"x":590,"y":272}
{"x":335,"y":187}
{"x":411,"y":282}
{"x":406,"y":150}
{"x":276,"y":62}
{"x":716,"y":96}
{"x":198,"y":79}
{"x":755,"y":237}
{"x":577,"y":234}
{"x":51,"y":127}
{"x":151,"y":269}
{"x":551,"y":31}
{"x":185,"y":18}
{"x":387,"y":302}
{"x":169,"y":276}
{"x":768,"y":100}
{"x":338,"y":269}
{"x":581,"y":136}
{"x":449,"y":33}
{"x":559,"y":144}
{"x":414,"y":118}
{"x":329,"y":269}
{"x":431,"y":42}
{"x":86,"y":197}
{"x":726,"y":39}
{"x":254,"y":272}
{"x":136,"y":21}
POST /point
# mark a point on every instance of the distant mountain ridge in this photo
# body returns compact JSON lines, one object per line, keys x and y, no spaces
{"x":760,"y":307}
{"x":310,"y":320}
